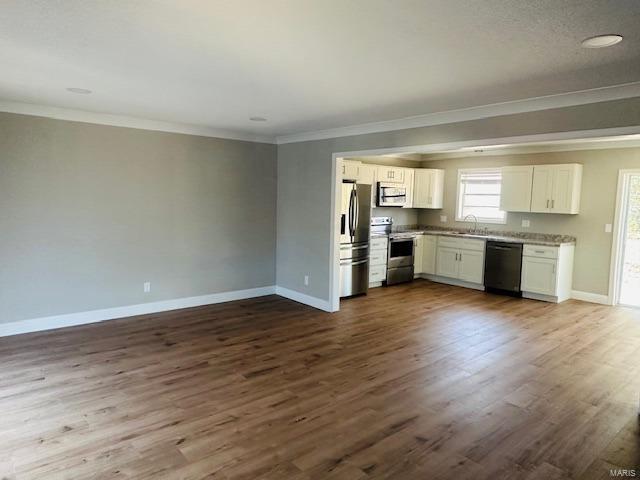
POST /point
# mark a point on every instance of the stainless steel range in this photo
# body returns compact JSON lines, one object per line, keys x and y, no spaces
{"x":400,"y":252}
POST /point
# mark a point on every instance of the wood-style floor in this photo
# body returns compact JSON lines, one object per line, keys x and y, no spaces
{"x":419,"y":381}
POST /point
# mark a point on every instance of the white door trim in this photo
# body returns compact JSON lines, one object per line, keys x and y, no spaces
{"x":334,"y":251}
{"x":617,"y":245}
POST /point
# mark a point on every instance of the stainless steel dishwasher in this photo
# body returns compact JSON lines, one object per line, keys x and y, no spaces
{"x":502,"y":268}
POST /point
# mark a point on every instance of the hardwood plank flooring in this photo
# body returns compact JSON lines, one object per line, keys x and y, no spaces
{"x":414,"y":381}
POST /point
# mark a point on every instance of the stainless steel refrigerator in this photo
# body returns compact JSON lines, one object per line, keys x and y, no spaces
{"x":355,"y":217}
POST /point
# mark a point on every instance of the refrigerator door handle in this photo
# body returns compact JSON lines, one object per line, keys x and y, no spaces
{"x":357,"y":209}
{"x":352,"y":214}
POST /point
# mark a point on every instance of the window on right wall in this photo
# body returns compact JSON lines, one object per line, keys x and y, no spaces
{"x":479,"y":195}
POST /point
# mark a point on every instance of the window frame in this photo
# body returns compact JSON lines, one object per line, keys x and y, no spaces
{"x":459,"y":206}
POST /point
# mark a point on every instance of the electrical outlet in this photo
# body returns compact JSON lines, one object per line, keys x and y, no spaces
{"x":306,"y":280}
{"x":443,"y":218}
{"x":526,"y":223}
{"x":146,"y":287}
{"x":608,"y":228}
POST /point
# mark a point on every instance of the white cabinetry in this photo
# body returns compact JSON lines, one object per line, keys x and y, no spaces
{"x":418,"y":254}
{"x":556,"y":188}
{"x":547,"y":272}
{"x":350,"y":170}
{"x":377,"y":261}
{"x":391,"y":174}
{"x":409,"y":174}
{"x":515,"y":193}
{"x":358,"y":172}
{"x":429,"y":247}
{"x":424,"y":260}
{"x":367,"y":174}
{"x":428,"y":188}
{"x":461,"y":259}
{"x":541,"y":188}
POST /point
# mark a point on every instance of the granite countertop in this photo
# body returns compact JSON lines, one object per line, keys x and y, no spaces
{"x":544,"y":239}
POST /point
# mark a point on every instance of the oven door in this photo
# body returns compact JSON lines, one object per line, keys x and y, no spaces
{"x":400,"y":252}
{"x":391,"y":195}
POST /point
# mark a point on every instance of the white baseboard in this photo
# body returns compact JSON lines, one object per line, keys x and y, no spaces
{"x":303,"y":298}
{"x":590,"y":297}
{"x":93,"y":316}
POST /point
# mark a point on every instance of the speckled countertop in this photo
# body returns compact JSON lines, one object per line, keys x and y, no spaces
{"x":529,"y":238}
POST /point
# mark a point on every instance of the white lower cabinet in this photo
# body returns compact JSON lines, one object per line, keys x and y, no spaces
{"x":471,"y":266}
{"x":447,"y":264}
{"x":547,"y":272}
{"x":429,"y":247}
{"x":418,"y":254}
{"x":461,"y":259}
{"x":377,"y":261}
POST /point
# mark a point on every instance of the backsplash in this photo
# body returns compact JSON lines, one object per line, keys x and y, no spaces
{"x":401,"y":216}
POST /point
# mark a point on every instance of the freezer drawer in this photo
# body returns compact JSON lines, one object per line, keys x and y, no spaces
{"x":354,"y":277}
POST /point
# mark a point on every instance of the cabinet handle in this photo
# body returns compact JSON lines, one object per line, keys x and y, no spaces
{"x":460,"y":257}
{"x":343,"y":169}
{"x":553,"y":203}
{"x":547,"y":203}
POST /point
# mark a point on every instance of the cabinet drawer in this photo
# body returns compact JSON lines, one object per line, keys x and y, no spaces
{"x":378,"y":243}
{"x":377,"y":273}
{"x":378,"y":257}
{"x":449,"y":242}
{"x":540,"y":251}
{"x":472,"y":244}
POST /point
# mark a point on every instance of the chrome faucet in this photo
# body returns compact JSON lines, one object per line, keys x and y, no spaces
{"x":475,"y":222}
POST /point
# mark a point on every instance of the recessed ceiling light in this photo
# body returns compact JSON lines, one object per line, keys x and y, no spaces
{"x":257,"y":119}
{"x":81,"y":91}
{"x":601,"y":41}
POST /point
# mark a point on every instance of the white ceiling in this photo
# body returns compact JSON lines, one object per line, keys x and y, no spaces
{"x":307,"y":65}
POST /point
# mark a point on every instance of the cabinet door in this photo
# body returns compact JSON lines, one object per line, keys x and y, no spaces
{"x":515,"y":193}
{"x":422,"y":188}
{"x":418,"y":253}
{"x":366,"y":174}
{"x":563,"y":189}
{"x":408,"y":184}
{"x":350,"y":170}
{"x":471,"y":266}
{"x":447,"y":262}
{"x":539,"y":275}
{"x":436,"y":189}
{"x":390,"y":174}
{"x":429,"y":254}
{"x":542,"y":189}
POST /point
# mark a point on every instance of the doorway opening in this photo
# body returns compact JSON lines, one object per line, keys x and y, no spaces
{"x":629,"y":240}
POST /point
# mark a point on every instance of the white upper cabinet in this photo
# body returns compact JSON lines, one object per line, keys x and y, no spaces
{"x":515,"y":192}
{"x":409,"y":174}
{"x":541,"y":188}
{"x":350,"y":170}
{"x":428,"y":188}
{"x":556,"y":188}
{"x":391,"y":174}
{"x":367,"y":174}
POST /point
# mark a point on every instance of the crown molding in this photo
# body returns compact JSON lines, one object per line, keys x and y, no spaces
{"x":83,"y":116}
{"x":582,"y":97}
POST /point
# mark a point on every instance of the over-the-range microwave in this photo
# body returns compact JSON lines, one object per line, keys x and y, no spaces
{"x":391,"y":195}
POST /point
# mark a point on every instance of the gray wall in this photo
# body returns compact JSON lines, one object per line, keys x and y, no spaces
{"x":304,"y":176}
{"x":597,"y":207}
{"x":88,"y":213}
